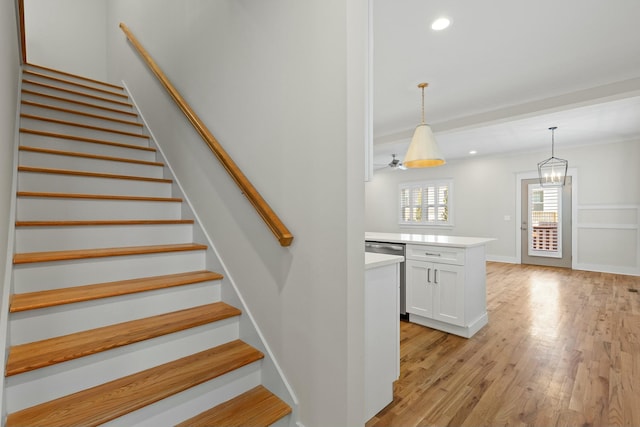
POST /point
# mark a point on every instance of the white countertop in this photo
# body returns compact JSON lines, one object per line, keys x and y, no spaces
{"x":428,"y":239}
{"x":372,"y":260}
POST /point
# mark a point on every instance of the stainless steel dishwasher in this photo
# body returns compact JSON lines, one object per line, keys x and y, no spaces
{"x":392,"y":249}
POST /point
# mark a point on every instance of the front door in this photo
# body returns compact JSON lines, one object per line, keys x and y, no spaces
{"x":546,"y":224}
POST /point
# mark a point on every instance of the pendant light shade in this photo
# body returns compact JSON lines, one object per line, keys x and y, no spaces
{"x":552,"y":172}
{"x":423,"y":151}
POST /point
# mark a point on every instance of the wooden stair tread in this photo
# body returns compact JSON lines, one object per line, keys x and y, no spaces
{"x":90,"y":174}
{"x":80,"y":113}
{"x":75,"y":92}
{"x":97,"y":196}
{"x":64,"y":73}
{"x":87,"y":155}
{"x":82,"y":125}
{"x":31,"y":257}
{"x":105,"y":402}
{"x":85,"y":139}
{"x":120,"y":94}
{"x":76,"y":102}
{"x":257,"y":407}
{"x":35,"y":355}
{"x":77,"y":223}
{"x":54,"y":297}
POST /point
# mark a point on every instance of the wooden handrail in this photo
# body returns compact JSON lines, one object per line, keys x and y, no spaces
{"x":23,"y":38}
{"x":274,"y":223}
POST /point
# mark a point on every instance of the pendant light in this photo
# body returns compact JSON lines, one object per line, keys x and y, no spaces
{"x":553,"y":171}
{"x":423,"y":151}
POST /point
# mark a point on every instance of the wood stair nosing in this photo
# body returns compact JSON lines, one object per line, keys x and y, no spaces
{"x":36,"y":194}
{"x":76,"y":102}
{"x":85,"y":139}
{"x":64,"y":73}
{"x":81,"y":125}
{"x":79,"y":113}
{"x":120,"y":94}
{"x":87,"y":155}
{"x":257,"y":407}
{"x":111,"y":400}
{"x":78,"y":93}
{"x":75,"y":254}
{"x":54,"y":297}
{"x":91,"y":174}
{"x":35,"y":355}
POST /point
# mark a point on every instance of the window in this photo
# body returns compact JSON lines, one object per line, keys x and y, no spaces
{"x":426,"y":203}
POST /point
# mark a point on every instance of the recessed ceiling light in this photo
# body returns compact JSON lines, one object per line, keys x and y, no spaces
{"x":440,"y":24}
{"x":473,"y":152}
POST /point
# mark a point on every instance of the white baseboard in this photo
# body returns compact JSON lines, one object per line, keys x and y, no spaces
{"x":501,"y":258}
{"x":599,"y":268}
{"x":613,"y":269}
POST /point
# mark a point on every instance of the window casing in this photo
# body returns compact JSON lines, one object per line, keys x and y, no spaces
{"x":426,"y":203}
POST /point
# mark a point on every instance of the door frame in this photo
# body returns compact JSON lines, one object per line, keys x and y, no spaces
{"x":573,"y":173}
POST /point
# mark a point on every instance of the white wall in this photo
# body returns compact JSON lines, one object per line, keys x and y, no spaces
{"x":608,"y":236}
{"x":69,"y":35}
{"x":9,"y":73}
{"x":270,"y":80}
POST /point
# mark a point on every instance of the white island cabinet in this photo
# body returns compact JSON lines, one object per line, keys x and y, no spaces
{"x":445,"y":280}
{"x":382,"y":330}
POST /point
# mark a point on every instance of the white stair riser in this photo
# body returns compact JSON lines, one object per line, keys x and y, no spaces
{"x":54,"y":275}
{"x":31,"y":388}
{"x":42,"y":125}
{"x":61,"y":183}
{"x":115,"y":112}
{"x":61,"y":209}
{"x":35,"y":110}
{"x":42,"y":239}
{"x":72,"y":78}
{"x":193,"y":401}
{"x":36,"y":325}
{"x":39,"y":141}
{"x":78,"y":97}
{"x":57,"y":161}
{"x":64,"y":83}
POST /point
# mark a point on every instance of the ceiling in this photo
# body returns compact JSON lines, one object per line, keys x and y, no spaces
{"x":504,"y":72}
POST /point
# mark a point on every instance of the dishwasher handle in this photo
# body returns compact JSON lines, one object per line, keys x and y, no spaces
{"x":396,"y":248}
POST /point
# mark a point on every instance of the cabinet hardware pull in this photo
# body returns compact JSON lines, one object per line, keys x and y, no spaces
{"x":435,"y":276}
{"x":428,"y":275}
{"x":432,"y":254}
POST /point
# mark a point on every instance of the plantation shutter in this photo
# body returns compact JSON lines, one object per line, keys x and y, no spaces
{"x":425,"y":203}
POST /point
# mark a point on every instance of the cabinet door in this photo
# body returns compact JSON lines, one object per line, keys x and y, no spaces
{"x":448,"y":297}
{"x":419,"y":278}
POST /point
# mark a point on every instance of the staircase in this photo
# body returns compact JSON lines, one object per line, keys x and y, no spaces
{"x":115,"y":317}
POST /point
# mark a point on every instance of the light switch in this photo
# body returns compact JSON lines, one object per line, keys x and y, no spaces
{"x":507,"y":217}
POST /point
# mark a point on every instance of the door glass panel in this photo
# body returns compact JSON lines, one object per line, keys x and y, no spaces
{"x":545,"y":221}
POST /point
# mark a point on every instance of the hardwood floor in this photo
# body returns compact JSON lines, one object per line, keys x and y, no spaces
{"x":562,"y":348}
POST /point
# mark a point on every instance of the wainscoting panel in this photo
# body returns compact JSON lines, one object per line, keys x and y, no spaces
{"x":608,"y":238}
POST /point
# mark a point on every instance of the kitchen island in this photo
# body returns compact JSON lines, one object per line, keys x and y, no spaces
{"x":382,"y":330}
{"x":445,"y":280}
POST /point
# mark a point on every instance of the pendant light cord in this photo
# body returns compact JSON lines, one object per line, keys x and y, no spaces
{"x":422,"y":86}
{"x":553,"y":131}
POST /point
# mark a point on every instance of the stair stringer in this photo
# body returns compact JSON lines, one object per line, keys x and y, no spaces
{"x":272,"y":376}
{"x":7,"y":282}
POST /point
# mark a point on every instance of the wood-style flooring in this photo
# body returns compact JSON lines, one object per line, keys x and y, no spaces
{"x":562,"y":348}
